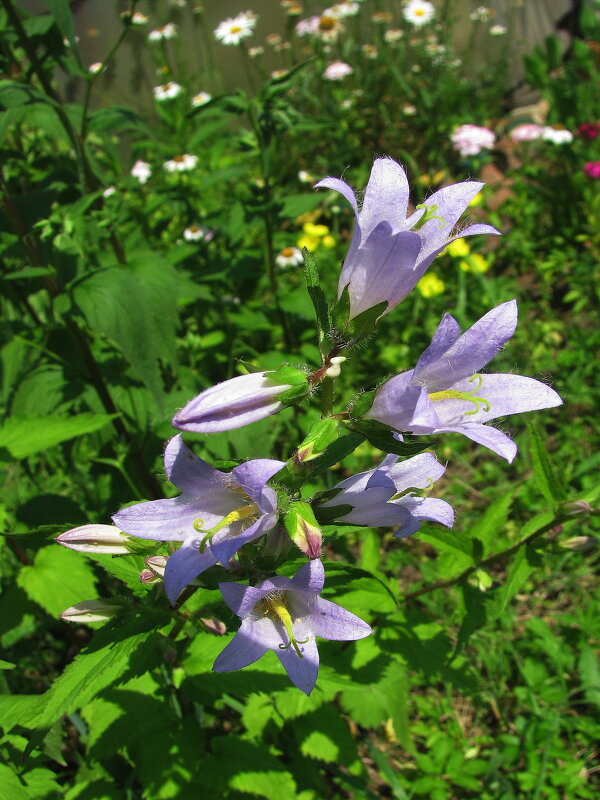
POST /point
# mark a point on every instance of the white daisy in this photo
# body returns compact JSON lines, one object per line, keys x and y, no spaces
{"x":289,"y":257}
{"x":393,"y":35}
{"x":182,"y":163}
{"x":201,"y":99}
{"x":306,"y":177}
{"x":167,"y":91}
{"x":234,"y":29}
{"x":110,"y":190}
{"x":168,"y":31}
{"x":498,"y":30}
{"x":196,"y":233}
{"x":418,"y":12}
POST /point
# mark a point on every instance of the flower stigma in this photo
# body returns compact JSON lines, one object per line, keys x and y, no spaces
{"x":452,"y":394}
{"x":429,"y":214}
{"x":275,"y":607}
{"x":243,"y":512}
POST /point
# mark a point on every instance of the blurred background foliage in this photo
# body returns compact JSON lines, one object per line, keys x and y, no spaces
{"x":123,"y":298}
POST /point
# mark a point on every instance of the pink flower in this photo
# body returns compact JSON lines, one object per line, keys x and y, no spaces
{"x":589,"y":130}
{"x":592,"y":169}
{"x":337,"y":70}
{"x":470,"y":140}
{"x":526,"y":132}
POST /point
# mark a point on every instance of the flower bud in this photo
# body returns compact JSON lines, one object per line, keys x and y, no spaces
{"x":156,"y":565}
{"x":304,"y":529}
{"x":580,"y":543}
{"x":322,"y":434}
{"x":101,"y":539}
{"x":93,"y":611}
{"x":574,"y":508}
{"x":213,"y":625}
{"x":148,"y":577}
{"x":242,"y":400}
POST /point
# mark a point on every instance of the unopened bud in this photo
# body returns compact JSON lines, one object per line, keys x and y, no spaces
{"x":242,"y":400}
{"x":93,"y":611}
{"x":106,"y":539}
{"x":303,"y":529}
{"x":336,"y":366}
{"x":321,"y":435}
{"x":581,"y":543}
{"x":156,"y":565}
{"x":213,"y":625}
{"x":148,"y":577}
{"x":576,"y":507}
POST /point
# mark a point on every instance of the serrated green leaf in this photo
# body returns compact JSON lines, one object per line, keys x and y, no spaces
{"x":45,"y":582}
{"x":323,"y":735}
{"x":114,"y":653}
{"x":25,"y":436}
{"x":518,"y":572}
{"x":319,"y":301}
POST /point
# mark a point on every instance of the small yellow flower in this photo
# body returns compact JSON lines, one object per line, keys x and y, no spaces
{"x":314,"y":235}
{"x":475,"y":262}
{"x":430,"y":285}
{"x":458,"y":248}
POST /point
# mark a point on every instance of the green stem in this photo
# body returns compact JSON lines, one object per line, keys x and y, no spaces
{"x":327,"y":396}
{"x":486,"y":562}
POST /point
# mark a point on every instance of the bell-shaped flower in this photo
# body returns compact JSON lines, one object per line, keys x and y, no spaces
{"x":214,"y":516}
{"x":285,"y":615}
{"x":446,"y":393}
{"x":389,"y":252}
{"x":242,"y":400}
{"x":394,"y":494}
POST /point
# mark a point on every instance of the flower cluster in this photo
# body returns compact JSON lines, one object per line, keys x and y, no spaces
{"x":470,"y":140}
{"x":242,"y":522}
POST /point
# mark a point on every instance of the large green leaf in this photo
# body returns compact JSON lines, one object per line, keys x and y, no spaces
{"x":45,"y":581}
{"x":24,"y":436}
{"x":135,"y":307}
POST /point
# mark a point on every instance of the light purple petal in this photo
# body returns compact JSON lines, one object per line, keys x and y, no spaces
{"x":486,"y":435}
{"x":244,"y":649}
{"x":339,"y":186}
{"x":228,"y":541}
{"x":371,"y":508}
{"x":231,"y":404}
{"x":472,"y":350}
{"x":431,"y":509}
{"x":301,"y":671}
{"x":382,"y":269}
{"x":506,"y":394}
{"x":240,"y":599}
{"x":252,"y":477}
{"x":445,"y":336}
{"x":309,"y":578}
{"x":386,"y":197}
{"x":417,"y":472}
{"x":451,"y":201}
{"x":330,"y":621}
{"x":188,"y":472}
{"x":184,"y":565}
{"x":426,"y":257}
{"x":172,"y":520}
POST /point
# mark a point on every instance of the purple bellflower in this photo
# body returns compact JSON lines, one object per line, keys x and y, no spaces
{"x":214,"y":516}
{"x":445,"y":392}
{"x":392,"y":495}
{"x":241,"y":401}
{"x":284,"y":615}
{"x":387,"y":255}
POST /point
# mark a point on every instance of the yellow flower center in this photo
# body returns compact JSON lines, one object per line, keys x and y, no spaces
{"x":275,"y":607}
{"x":241,"y":513}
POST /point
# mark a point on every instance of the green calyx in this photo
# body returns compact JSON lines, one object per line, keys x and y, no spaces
{"x":295,"y":379}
